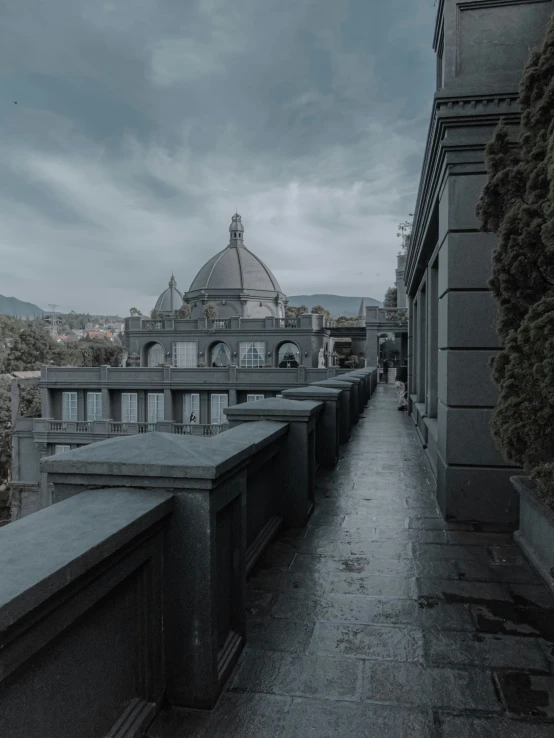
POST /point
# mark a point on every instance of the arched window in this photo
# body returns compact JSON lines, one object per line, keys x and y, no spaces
{"x":156,"y":355}
{"x":220,"y":355}
{"x":289,"y":356}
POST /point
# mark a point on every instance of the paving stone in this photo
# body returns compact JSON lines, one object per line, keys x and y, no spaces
{"x":273,"y":634}
{"x":461,"y":591}
{"x":354,"y":565}
{"x":483,"y":572}
{"x":387,"y":643}
{"x":259,"y":603}
{"x":309,"y":675}
{"x":443,"y":550}
{"x":473,"y":649}
{"x":420,"y":686}
{"x":479,"y":539}
{"x":468,"y":727}
{"x":376,"y":549}
{"x":349,"y":609}
{"x":527,"y":695}
{"x":175,"y":722}
{"x":324,"y":719}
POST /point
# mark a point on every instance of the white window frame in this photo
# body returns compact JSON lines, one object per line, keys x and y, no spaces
{"x":69,"y":406}
{"x":217,"y":403}
{"x":61,"y":448}
{"x":246,"y":361}
{"x":185,"y":354}
{"x":155,"y":407}
{"x":129,"y":407}
{"x":94,"y":406}
{"x":191,"y":404}
{"x":254,"y":398}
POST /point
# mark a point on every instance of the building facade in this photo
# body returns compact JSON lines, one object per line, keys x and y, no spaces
{"x":481,"y":49}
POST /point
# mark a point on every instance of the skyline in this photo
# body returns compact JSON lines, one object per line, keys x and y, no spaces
{"x":132,"y":144}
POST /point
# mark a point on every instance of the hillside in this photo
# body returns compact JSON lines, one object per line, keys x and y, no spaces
{"x":335,"y":304}
{"x":18,"y":308}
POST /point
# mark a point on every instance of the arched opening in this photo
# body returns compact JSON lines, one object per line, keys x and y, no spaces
{"x":220,"y":355}
{"x":155,"y":355}
{"x":288,"y":355}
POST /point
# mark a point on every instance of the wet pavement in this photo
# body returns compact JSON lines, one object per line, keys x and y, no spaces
{"x":380,"y":619}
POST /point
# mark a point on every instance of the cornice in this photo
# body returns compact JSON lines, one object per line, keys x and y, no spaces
{"x":451,"y":112}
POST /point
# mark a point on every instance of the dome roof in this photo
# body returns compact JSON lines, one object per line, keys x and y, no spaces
{"x":235,"y":268}
{"x":170,"y":299}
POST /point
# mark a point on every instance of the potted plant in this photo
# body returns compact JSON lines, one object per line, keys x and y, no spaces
{"x":518,"y":205}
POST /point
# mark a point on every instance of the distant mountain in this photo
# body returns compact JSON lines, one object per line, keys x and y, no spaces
{"x":18,"y":308}
{"x":335,"y":304}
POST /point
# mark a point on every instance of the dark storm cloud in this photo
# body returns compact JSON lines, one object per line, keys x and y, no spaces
{"x":142,"y":124}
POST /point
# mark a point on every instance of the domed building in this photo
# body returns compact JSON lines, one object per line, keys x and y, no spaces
{"x":170,"y":300}
{"x":237,"y":282}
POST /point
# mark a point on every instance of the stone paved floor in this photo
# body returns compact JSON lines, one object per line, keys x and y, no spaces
{"x":381,"y":620}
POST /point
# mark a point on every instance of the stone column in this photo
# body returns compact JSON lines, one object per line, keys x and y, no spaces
{"x":328,"y":426}
{"x":232,"y":396}
{"x":205,"y":547}
{"x":299,"y":486}
{"x":345,"y":422}
{"x":106,"y":404}
{"x":168,"y":404}
{"x":358,"y":390}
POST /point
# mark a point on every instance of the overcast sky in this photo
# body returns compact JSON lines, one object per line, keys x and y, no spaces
{"x":141,"y":125}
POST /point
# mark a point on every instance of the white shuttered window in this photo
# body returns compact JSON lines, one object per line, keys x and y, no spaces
{"x":129,"y":412}
{"x":191,"y":404}
{"x":218,"y":403}
{"x":94,"y":406}
{"x":69,"y":406}
{"x":155,"y":407}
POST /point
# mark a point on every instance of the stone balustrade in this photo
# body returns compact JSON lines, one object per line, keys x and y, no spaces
{"x":149,"y":528}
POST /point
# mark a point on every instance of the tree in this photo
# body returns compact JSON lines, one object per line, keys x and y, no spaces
{"x":518,"y":205}
{"x":320,"y":310}
{"x":156,"y":314}
{"x":5,"y":428}
{"x":390,"y":298}
{"x":32,"y":347}
{"x":210,"y":311}
{"x":296,"y":312}
{"x":184,"y":311}
{"x":134,"y":312}
{"x":343,"y":321}
{"x":404,"y":233}
{"x":9,"y":330}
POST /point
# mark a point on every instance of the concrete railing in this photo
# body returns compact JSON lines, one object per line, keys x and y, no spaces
{"x":87,"y":581}
{"x":81,"y":650}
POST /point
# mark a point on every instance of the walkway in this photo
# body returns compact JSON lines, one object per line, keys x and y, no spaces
{"x":381,"y":620}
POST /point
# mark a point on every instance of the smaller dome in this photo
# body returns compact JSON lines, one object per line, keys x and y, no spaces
{"x":170,"y":299}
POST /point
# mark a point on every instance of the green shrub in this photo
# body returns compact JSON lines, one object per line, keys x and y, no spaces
{"x":518,"y":205}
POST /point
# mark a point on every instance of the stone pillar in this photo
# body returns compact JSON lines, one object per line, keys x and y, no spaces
{"x":204,"y":408}
{"x":168,"y":404}
{"x":205,"y":546}
{"x":328,"y":426}
{"x":106,"y":404}
{"x":45,"y":402}
{"x":359,"y":390}
{"x":81,"y":405}
{"x":299,"y":487}
{"x":232,"y":396}
{"x":345,"y":423}
{"x":372,"y":346}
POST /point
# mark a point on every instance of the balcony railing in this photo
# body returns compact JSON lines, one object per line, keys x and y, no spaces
{"x":286,"y":323}
{"x":195,"y":429}
{"x":219,"y":324}
{"x":152,"y":325}
{"x":107,"y":428}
